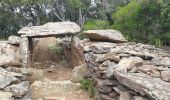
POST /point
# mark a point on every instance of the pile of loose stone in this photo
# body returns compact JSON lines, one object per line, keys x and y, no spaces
{"x":124,"y":70}
{"x":14,"y":81}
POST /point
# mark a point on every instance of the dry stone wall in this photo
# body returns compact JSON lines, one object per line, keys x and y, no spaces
{"x":127,"y":71}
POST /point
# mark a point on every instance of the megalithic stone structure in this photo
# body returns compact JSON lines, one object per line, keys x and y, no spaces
{"x":52,"y":29}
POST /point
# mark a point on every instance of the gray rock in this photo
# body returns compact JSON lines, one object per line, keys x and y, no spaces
{"x":154,"y":88}
{"x":6,"y":79}
{"x":18,"y":90}
{"x":105,"y":35}
{"x":105,"y":89}
{"x":6,"y":96}
{"x":127,"y":63}
{"x":77,"y":52}
{"x":105,"y":97}
{"x":125,"y":96}
{"x":14,"y":40}
{"x":78,"y":73}
{"x":163,"y":61}
{"x":139,"y":98}
{"x":51,"y":29}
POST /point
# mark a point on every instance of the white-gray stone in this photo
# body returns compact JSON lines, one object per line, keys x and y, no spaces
{"x":106,"y":35}
{"x":14,"y":40}
{"x":19,"y":89}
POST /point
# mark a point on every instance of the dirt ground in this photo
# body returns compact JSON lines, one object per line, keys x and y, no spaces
{"x":56,"y":84}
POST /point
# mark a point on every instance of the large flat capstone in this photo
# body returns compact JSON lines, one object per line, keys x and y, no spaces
{"x":50,"y":29}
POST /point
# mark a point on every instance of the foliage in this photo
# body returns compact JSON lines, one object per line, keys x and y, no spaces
{"x":96,"y":24}
{"x":55,"y":48}
{"x":144,"y":21}
{"x":63,"y":61}
{"x":88,"y":85}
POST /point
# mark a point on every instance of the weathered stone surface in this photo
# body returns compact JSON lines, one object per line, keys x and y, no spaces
{"x":19,"y":89}
{"x":154,"y":88}
{"x":164,"y":61}
{"x":127,"y":63}
{"x":113,"y":94}
{"x":6,"y":79}
{"x":98,"y":47}
{"x":125,"y":96}
{"x":51,"y":29}
{"x":139,"y":98}
{"x":165,"y":75}
{"x":79,"y":72}
{"x":146,"y":68}
{"x":102,"y":96}
{"x":105,"y":35}
{"x":14,"y":40}
{"x":6,"y":96}
{"x":111,"y":57}
{"x":77,"y":52}
{"x":145,"y":55}
{"x":24,"y":51}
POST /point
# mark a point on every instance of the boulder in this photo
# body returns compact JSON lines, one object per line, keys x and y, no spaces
{"x":18,"y":90}
{"x":14,"y":40}
{"x":77,"y":52}
{"x":105,"y":35}
{"x":79,"y":72}
{"x":6,"y":96}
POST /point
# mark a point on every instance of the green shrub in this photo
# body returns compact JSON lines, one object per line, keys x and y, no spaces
{"x":55,"y":48}
{"x":88,"y":86}
{"x":96,"y":25}
{"x":144,"y":21}
{"x":63,"y":61}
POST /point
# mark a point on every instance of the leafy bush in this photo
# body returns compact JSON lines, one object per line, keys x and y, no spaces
{"x":96,"y":25}
{"x":88,"y":86}
{"x":145,"y":21}
{"x":55,"y":48}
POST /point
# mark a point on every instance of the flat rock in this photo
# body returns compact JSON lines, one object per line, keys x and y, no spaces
{"x":126,"y":64}
{"x":15,"y":40}
{"x":154,"y":88}
{"x":111,"y":57}
{"x":18,"y":90}
{"x":6,"y":79}
{"x":105,"y":35}
{"x":51,"y":29}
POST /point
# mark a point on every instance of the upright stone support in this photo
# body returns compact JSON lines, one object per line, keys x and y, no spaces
{"x":31,"y":52}
{"x":26,"y":51}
